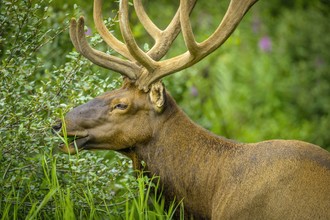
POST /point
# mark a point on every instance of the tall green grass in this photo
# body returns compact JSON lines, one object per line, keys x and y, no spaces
{"x":144,"y":201}
{"x":149,"y":203}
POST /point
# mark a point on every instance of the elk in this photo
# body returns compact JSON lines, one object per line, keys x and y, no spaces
{"x":217,"y":178}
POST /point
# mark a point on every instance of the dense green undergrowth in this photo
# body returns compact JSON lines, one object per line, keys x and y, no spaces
{"x":270,"y":80}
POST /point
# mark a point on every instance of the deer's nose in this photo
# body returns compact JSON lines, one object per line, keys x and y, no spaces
{"x":57,"y":128}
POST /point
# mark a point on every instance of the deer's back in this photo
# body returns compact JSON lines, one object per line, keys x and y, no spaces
{"x":274,"y":180}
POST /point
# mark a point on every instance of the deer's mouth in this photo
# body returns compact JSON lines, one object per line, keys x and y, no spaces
{"x":74,"y":144}
{"x":73,"y":141}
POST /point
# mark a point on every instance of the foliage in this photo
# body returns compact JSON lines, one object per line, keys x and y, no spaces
{"x":150,"y":204}
{"x":33,"y":176}
{"x":270,"y":80}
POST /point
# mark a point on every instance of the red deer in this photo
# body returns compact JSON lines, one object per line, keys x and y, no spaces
{"x":217,"y":178}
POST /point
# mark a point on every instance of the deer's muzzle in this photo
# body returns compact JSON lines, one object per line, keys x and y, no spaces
{"x":73,"y":141}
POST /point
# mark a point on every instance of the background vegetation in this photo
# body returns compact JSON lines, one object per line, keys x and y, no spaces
{"x":271,"y":79}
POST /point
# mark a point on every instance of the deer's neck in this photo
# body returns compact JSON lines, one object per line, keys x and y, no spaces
{"x":182,"y":153}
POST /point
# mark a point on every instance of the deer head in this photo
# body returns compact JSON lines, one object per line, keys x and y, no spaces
{"x":116,"y":120}
{"x":129,"y":116}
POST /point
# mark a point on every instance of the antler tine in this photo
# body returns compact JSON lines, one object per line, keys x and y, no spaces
{"x":236,"y":11}
{"x":73,"y":34}
{"x":111,"y":40}
{"x":77,"y":35}
{"x":163,"y":38}
{"x":132,"y":46}
{"x":234,"y":14}
{"x":149,"y":26}
{"x":187,"y":32}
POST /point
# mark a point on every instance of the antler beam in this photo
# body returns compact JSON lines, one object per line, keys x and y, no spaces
{"x":111,"y":40}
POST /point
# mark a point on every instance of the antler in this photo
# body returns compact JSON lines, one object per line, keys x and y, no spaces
{"x":163,"y":38}
{"x":77,"y":35}
{"x":146,"y":67}
{"x":197,"y":51}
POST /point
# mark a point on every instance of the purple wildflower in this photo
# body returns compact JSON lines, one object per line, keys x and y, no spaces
{"x":88,"y":32}
{"x":194,"y":91}
{"x":265,"y":44}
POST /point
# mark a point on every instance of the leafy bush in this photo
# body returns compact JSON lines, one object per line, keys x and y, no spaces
{"x":35,"y":179}
{"x":40,"y":80}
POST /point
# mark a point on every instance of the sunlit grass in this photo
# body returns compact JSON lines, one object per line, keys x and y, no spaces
{"x":143,"y":202}
{"x":149,"y":203}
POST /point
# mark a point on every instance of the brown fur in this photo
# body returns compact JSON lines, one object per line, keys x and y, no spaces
{"x":217,"y":178}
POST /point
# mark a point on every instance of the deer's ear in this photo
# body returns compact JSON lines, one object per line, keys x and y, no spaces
{"x":157,"y":96}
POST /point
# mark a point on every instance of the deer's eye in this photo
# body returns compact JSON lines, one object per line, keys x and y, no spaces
{"x":120,"y":106}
